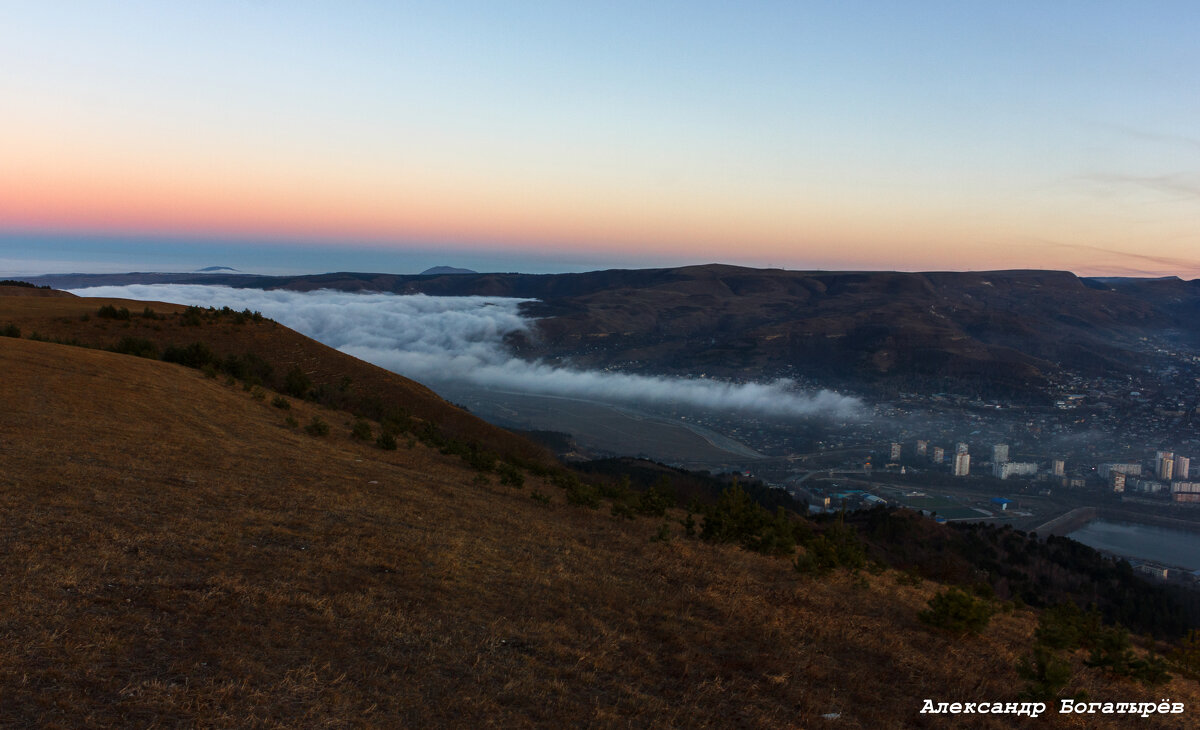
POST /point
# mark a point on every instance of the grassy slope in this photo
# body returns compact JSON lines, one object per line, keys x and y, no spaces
{"x":64,"y":319}
{"x":174,"y":553}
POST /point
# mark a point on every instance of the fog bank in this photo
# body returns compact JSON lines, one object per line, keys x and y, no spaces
{"x":448,"y":339}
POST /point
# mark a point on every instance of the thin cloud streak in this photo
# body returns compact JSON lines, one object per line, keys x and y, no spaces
{"x":448,"y":339}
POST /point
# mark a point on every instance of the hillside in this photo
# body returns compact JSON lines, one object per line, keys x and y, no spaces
{"x":177,"y":553}
{"x":268,"y":349}
{"x":998,"y":333}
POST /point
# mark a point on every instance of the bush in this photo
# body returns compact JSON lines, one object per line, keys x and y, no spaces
{"x":653,"y":503}
{"x":10,"y":330}
{"x":317,"y":427}
{"x":510,"y":476}
{"x":1064,"y":626}
{"x":291,"y":421}
{"x":296,"y":383}
{"x":361,"y":431}
{"x":258,"y":393}
{"x":109,"y":311}
{"x":1047,"y":674}
{"x":584,"y":495}
{"x":280,"y":402}
{"x":249,"y":367}
{"x":195,"y":355}
{"x":736,"y":517}
{"x":192,"y":317}
{"x":958,"y":611}
{"x":542,"y":499}
{"x":149,"y":313}
{"x":386,"y":441}
{"x":137,"y":346}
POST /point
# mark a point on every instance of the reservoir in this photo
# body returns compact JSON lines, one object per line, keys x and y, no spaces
{"x":1144,"y":542}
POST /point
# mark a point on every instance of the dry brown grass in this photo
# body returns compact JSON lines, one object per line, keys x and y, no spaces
{"x":175,"y":555}
{"x":75,"y":319}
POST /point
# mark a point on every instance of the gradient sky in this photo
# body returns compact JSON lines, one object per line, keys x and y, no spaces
{"x":310,"y":136}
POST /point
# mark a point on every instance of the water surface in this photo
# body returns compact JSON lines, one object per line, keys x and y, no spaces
{"x":1145,"y":542}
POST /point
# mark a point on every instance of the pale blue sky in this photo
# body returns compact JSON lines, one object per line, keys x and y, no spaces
{"x":834,"y":135}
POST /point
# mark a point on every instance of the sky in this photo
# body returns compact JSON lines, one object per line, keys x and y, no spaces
{"x":293,"y":137}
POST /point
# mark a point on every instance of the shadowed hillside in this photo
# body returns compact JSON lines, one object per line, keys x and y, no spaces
{"x":996,"y":333}
{"x":177,"y":551}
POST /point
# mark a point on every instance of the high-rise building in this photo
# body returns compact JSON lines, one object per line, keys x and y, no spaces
{"x":895,"y":452}
{"x":962,"y":464}
{"x":1183,"y":467}
{"x":939,"y":454}
{"x":1006,"y":469}
{"x":1166,"y":469}
{"x":1117,"y":479}
{"x":961,"y":448}
{"x":1159,"y":458}
{"x":1059,"y":467}
{"x":999,"y":453}
{"x":1133,"y":470}
{"x":922,"y":448}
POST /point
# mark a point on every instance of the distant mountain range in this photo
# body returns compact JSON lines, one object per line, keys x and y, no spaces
{"x":446,"y":270}
{"x":1000,"y":333}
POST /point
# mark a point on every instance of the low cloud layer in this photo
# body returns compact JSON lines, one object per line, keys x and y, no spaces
{"x":447,"y":339}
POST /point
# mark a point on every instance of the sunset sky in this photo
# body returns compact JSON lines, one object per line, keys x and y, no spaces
{"x":552,"y":136}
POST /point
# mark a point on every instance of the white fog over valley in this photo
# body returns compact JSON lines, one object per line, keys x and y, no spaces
{"x":461,"y":340}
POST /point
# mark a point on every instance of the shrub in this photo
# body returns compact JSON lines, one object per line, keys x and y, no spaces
{"x":280,"y":402}
{"x":1047,"y":674}
{"x":137,"y":346}
{"x":510,"y":476}
{"x":653,"y":503}
{"x":291,"y":421}
{"x":1064,"y":626}
{"x":149,"y":313}
{"x":109,"y":311}
{"x":622,"y":509}
{"x":296,"y":383}
{"x":1187,"y":655}
{"x":584,"y":495}
{"x":386,"y":441}
{"x":542,"y":499}
{"x":195,"y":355}
{"x":958,"y":611}
{"x":361,"y":431}
{"x":258,"y":393}
{"x":249,"y":367}
{"x":317,"y":427}
{"x":11,"y":330}
{"x":192,"y":317}
{"x":663,"y":534}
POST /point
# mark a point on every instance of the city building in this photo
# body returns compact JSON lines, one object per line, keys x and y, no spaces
{"x":1006,"y":469}
{"x":1059,"y":467}
{"x":939,"y":454}
{"x":999,"y":453}
{"x":922,"y":448}
{"x":961,"y":448}
{"x":1183,"y":465}
{"x":1133,"y":470}
{"x":962,"y":464}
{"x":1166,"y":469}
{"x":895,"y":452}
{"x":1117,"y":480}
{"x":1161,"y":461}
{"x":1185,"y":491}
